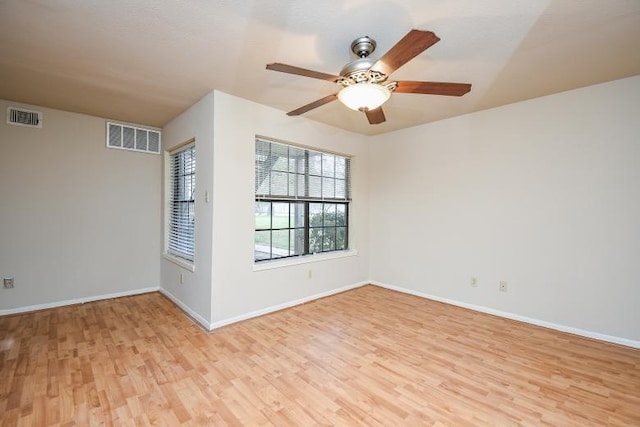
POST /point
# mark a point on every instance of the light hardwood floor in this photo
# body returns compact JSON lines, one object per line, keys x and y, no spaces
{"x":369,"y":356}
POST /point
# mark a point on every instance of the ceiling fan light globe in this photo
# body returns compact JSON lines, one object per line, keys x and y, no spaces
{"x":364,"y":96}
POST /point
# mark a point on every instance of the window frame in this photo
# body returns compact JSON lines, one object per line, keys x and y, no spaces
{"x":174,"y":239}
{"x":338,"y":195}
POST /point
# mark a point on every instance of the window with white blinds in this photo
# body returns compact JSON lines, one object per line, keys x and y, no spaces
{"x":302,"y":201}
{"x":289,"y":172}
{"x":181,"y":209}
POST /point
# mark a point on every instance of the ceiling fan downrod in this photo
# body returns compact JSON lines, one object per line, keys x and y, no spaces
{"x":363,"y":46}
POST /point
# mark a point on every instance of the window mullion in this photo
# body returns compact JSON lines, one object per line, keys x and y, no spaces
{"x":346,"y":224}
{"x":306,"y":228}
{"x":306,"y":174}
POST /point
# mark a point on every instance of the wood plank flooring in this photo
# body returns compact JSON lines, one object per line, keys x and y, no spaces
{"x":370,"y":357}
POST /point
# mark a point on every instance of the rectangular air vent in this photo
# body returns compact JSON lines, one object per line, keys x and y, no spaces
{"x":21,"y":117}
{"x":127,"y":137}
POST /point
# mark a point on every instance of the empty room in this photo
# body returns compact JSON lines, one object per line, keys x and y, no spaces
{"x":362,"y":212}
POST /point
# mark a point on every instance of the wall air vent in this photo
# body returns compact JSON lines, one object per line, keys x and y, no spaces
{"x":127,"y":137}
{"x":21,"y":117}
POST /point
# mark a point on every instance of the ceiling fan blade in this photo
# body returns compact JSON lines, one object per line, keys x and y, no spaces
{"x":376,"y":116}
{"x":411,"y":45}
{"x":312,"y":105}
{"x":284,"y":68}
{"x":433,"y":88}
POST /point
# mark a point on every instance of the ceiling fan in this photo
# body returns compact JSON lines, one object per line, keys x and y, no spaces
{"x":365,"y":84}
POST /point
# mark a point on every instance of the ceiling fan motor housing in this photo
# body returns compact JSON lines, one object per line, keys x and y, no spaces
{"x":359,"y":65}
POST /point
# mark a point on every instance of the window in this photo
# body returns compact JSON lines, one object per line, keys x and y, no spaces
{"x":181,"y":202}
{"x":302,"y":201}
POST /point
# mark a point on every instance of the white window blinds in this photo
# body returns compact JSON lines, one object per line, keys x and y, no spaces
{"x":181,"y":233}
{"x":289,"y":172}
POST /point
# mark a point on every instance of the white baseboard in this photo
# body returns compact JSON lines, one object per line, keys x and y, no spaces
{"x":195,"y":316}
{"x":211,"y":326}
{"x":562,"y":328}
{"x":282,"y":306}
{"x":77,"y":301}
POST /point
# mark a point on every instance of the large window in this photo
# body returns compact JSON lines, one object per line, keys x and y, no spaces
{"x":302,"y":201}
{"x":181,"y":210}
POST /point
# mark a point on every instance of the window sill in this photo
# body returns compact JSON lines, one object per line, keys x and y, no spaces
{"x":287,"y":262}
{"x":187,"y":265}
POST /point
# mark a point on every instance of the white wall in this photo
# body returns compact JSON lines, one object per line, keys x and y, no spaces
{"x":77,"y":220}
{"x":544,"y":194}
{"x":237,"y":288}
{"x":194,"y":294}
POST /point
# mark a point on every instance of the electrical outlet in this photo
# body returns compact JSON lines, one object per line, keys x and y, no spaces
{"x":503,"y":286}
{"x":309,"y":274}
{"x":473,"y":282}
{"x":8,"y":282}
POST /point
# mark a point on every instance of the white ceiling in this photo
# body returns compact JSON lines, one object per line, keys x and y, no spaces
{"x":145,"y":61}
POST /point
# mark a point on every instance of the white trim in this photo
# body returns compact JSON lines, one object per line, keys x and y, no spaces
{"x":187,"y":265}
{"x":562,"y":328}
{"x":77,"y":301}
{"x":188,"y":311}
{"x":181,"y":146}
{"x":303,"y":259}
{"x":282,"y":306}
